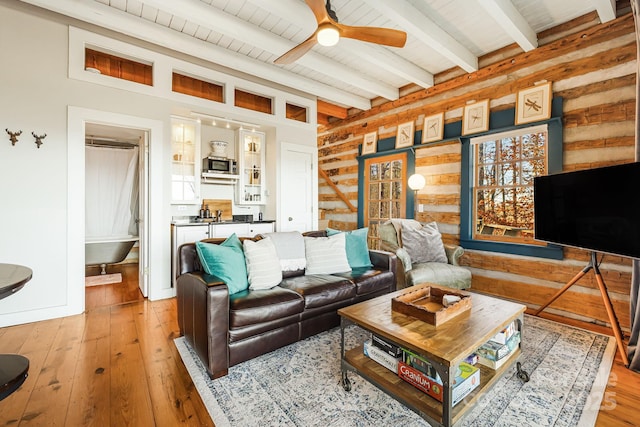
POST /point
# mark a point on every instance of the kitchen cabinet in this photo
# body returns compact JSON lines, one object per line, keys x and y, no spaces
{"x":261,"y":228}
{"x":186,"y":164}
{"x":181,"y":234}
{"x":251,"y":165}
{"x":226,"y":230}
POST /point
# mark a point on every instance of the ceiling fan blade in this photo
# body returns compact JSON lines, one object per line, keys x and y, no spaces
{"x":297,"y":52}
{"x":319,"y":9}
{"x":385,"y":36}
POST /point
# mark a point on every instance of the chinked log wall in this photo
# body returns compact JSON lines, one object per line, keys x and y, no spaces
{"x":592,"y":66}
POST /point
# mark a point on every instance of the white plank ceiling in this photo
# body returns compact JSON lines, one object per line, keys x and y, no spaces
{"x":441,"y":34}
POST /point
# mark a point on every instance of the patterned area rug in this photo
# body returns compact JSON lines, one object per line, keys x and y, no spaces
{"x":299,"y":385}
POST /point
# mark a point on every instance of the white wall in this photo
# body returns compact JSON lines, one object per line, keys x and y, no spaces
{"x":35,"y":94}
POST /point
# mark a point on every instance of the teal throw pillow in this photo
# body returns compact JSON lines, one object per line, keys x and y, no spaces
{"x":356,"y":245}
{"x":226,"y":261}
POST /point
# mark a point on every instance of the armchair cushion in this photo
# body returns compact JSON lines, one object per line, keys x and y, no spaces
{"x":424,"y":244}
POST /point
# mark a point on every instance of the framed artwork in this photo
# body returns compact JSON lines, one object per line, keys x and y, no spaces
{"x":475,"y":117}
{"x":369,"y":143}
{"x":533,"y":104}
{"x":404,"y":138}
{"x":433,"y":128}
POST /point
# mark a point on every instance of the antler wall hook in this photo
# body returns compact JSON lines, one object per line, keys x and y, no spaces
{"x":39,"y":138}
{"x":13,"y":136}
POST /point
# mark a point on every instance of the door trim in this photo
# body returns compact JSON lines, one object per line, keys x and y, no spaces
{"x":77,"y":117}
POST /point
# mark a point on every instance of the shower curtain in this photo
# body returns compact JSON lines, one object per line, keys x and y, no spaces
{"x":632,"y":349}
{"x":111,"y":191}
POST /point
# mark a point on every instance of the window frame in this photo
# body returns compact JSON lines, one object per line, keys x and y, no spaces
{"x":499,"y":163}
{"x":467,"y":193}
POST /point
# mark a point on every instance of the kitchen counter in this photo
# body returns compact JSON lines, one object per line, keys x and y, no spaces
{"x":187,"y":222}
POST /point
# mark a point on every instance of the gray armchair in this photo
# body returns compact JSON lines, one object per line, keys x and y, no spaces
{"x":409,"y":273}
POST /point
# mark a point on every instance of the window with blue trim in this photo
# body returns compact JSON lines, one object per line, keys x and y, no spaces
{"x":498,"y":168}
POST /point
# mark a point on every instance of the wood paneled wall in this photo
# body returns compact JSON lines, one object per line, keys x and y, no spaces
{"x":592,"y":66}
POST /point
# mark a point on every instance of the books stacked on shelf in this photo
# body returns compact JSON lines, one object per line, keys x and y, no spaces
{"x":493,"y":354}
{"x":419,"y":372}
{"x":386,"y":345}
{"x":503,"y":336}
{"x":382,"y":357}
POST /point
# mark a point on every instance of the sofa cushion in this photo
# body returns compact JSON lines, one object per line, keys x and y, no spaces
{"x":326,"y":255}
{"x":250,"y":307}
{"x":226,"y":261}
{"x":368,"y":280}
{"x":356,"y":246}
{"x":290,"y":249}
{"x":320,"y":289}
{"x":263,"y":266}
{"x":439,"y":273}
{"x":423,"y":244}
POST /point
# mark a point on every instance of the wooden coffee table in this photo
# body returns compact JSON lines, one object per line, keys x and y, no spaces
{"x":445,"y":347}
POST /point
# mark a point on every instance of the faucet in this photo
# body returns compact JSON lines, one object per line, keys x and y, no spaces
{"x":218,"y":215}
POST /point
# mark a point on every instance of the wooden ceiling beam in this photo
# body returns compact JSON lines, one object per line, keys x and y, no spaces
{"x":428,"y":32}
{"x":332,"y":110}
{"x":512,"y":22}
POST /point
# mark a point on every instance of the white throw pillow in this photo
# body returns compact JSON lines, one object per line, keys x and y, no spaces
{"x":263,"y":265}
{"x":424,"y":244}
{"x":326,"y":255}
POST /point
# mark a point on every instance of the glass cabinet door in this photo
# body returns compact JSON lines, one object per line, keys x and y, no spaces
{"x":251,"y":166}
{"x":185,"y":161}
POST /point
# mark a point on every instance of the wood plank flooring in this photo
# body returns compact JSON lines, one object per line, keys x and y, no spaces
{"x":117,"y":366}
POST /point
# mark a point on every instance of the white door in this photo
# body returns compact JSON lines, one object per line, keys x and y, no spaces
{"x":299,"y":188}
{"x":143,"y":214}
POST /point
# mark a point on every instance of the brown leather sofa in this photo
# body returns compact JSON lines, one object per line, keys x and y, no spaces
{"x":225,"y":330}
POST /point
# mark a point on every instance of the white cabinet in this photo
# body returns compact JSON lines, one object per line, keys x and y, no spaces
{"x":261,"y":228}
{"x":181,"y":234}
{"x":242,"y":229}
{"x":226,"y":230}
{"x":251,"y":161}
{"x":186,"y":164}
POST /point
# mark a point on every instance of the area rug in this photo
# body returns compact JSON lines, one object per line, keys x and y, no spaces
{"x":103,"y":279}
{"x":300,"y":385}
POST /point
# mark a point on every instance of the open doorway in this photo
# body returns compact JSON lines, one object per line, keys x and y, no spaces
{"x":115,"y":189}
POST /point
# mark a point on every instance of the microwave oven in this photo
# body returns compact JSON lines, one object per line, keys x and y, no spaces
{"x":219,"y":165}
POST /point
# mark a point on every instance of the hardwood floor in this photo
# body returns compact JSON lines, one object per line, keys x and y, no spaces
{"x":118,"y":293}
{"x":117,"y":366}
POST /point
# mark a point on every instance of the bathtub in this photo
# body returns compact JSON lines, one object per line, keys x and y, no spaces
{"x":107,"y":250}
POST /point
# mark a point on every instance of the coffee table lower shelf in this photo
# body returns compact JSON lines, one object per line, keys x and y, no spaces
{"x":418,"y":401}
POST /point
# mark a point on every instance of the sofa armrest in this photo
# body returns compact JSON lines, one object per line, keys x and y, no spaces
{"x":383,"y":260}
{"x":454,"y":252}
{"x":203,"y":315}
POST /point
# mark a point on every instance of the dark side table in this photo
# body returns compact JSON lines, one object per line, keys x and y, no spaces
{"x":14,"y":368}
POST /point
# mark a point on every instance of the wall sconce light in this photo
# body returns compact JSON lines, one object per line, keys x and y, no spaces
{"x":416,"y":183}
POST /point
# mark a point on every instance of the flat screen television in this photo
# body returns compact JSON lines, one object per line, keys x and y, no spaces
{"x":595,"y":209}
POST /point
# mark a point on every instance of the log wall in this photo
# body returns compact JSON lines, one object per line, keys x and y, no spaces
{"x":592,"y":66}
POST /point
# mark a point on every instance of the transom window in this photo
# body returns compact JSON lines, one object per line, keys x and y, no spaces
{"x":504,"y":166}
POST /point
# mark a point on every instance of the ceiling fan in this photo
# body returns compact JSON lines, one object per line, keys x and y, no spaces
{"x":330,"y":30}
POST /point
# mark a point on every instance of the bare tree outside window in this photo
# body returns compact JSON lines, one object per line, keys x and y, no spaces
{"x":504,"y":167}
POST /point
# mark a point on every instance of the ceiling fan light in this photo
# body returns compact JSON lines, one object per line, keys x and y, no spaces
{"x":328,"y":36}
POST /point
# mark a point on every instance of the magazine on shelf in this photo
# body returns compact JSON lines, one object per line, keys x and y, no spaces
{"x":493,"y":351}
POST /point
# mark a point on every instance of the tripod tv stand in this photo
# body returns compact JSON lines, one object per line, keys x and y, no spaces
{"x":613,"y":319}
